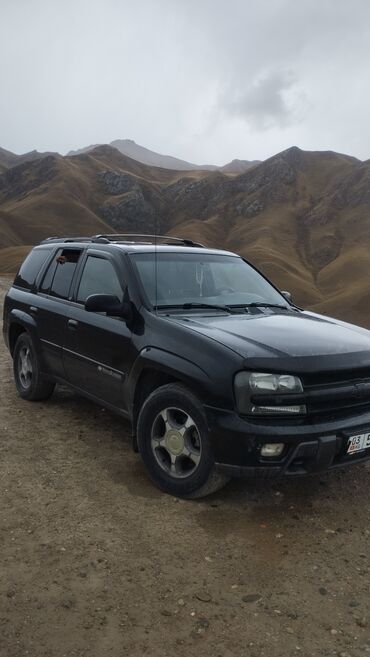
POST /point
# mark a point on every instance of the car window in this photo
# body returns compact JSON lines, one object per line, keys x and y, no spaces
{"x":98,"y":277}
{"x":178,"y":278}
{"x":59,"y":276}
{"x":30,"y":268}
{"x":48,"y":276}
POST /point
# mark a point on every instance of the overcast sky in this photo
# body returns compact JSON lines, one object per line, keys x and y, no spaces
{"x":205,"y":80}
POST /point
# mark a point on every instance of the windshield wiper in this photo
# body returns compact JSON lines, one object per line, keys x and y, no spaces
{"x":189,"y":306}
{"x":260,"y":304}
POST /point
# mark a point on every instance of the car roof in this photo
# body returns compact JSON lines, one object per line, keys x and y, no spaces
{"x":149,"y":245}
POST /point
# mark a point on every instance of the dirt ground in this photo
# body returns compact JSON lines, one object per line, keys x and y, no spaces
{"x":96,"y":562}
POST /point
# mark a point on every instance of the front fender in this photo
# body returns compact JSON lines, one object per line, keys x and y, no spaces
{"x":186,"y":371}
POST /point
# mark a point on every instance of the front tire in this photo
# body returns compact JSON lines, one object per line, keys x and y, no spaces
{"x":29,"y":381}
{"x":174,"y":443}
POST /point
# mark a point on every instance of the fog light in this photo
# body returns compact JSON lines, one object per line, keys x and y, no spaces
{"x":272,"y":449}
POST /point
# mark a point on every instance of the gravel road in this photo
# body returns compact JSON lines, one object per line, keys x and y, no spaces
{"x":96,"y":562}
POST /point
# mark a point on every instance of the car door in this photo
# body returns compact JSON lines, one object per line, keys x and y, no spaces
{"x":52,"y":306}
{"x":96,"y":348}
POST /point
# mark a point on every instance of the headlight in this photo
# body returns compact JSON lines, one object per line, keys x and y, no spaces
{"x":273,"y":382}
{"x":260,"y":393}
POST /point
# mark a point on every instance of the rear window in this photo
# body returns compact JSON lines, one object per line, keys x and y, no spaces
{"x":30,"y":268}
{"x":58,"y":277}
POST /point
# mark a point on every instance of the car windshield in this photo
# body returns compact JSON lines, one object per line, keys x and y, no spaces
{"x":177,"y":278}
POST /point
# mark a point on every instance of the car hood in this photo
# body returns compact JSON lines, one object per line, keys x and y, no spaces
{"x":282,"y":334}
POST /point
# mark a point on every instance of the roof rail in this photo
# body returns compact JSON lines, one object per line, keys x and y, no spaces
{"x":66,"y":239}
{"x":128,"y":238}
{"x":142,"y":237}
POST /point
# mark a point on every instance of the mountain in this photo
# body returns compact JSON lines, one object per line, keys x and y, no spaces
{"x":301,"y":217}
{"x":239,"y":166}
{"x":151,"y":158}
{"x":9,"y":159}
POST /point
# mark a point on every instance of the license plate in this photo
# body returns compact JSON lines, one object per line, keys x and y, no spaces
{"x":358,"y":443}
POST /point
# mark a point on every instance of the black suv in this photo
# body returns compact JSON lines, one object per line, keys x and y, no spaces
{"x":219,"y":373}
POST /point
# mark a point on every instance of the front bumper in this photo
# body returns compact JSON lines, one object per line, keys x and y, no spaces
{"x":309,"y":447}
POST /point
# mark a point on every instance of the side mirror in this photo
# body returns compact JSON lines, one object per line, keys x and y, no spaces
{"x":110,"y":304}
{"x":287,"y":295}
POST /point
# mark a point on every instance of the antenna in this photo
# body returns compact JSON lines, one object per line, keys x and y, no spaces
{"x":156,"y":262}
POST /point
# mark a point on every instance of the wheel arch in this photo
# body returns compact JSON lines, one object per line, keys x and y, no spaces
{"x":15,"y":330}
{"x":154,"y":368}
{"x":21,"y":322}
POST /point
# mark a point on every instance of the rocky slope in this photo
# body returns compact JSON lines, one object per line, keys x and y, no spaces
{"x":302,"y":217}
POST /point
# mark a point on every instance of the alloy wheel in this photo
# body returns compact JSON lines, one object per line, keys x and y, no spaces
{"x":176,"y":442}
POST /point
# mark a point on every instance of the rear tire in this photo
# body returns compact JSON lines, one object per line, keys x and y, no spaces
{"x":29,"y":381}
{"x":175,"y":444}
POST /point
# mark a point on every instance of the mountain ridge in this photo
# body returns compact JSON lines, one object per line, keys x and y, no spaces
{"x":301,"y":216}
{"x":152,"y":158}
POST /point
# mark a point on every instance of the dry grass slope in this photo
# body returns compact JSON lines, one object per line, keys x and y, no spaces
{"x":302,"y":217}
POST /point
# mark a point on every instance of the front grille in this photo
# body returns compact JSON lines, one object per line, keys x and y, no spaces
{"x":340,"y":397}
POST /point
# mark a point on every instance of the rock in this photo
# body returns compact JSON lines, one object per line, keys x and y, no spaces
{"x":115,"y":182}
{"x":293,"y":615}
{"x":323,"y":590}
{"x":181,"y":602}
{"x":289,"y":630}
{"x":82,"y":573}
{"x":361,"y":622}
{"x":132,"y":213}
{"x":248,"y":209}
{"x":252,"y":597}
{"x":202,"y":623}
{"x":166,"y":612}
{"x":203,"y":596}
{"x":333,"y":632}
{"x":67,"y":603}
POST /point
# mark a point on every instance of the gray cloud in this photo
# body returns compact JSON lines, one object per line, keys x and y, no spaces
{"x":264,"y":104}
{"x":206,"y":80}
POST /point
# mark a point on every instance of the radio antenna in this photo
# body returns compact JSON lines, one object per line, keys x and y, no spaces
{"x":156,"y":262}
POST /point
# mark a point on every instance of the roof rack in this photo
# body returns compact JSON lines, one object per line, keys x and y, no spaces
{"x":66,"y":239}
{"x":128,"y":238}
{"x":142,"y":237}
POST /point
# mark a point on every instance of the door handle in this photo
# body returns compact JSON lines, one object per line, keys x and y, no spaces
{"x":33,"y":310}
{"x":72,"y":324}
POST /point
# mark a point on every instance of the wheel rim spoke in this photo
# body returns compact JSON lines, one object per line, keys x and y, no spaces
{"x":25,"y":369}
{"x":166,"y":419}
{"x":188,"y":424}
{"x":192,"y":454}
{"x":173,"y":467}
{"x":160,"y":441}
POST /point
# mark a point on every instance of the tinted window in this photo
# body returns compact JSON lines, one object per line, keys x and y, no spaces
{"x":177,"y":278}
{"x":98,"y":277}
{"x":28,"y":272}
{"x":49,"y":275}
{"x":65,"y":268}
